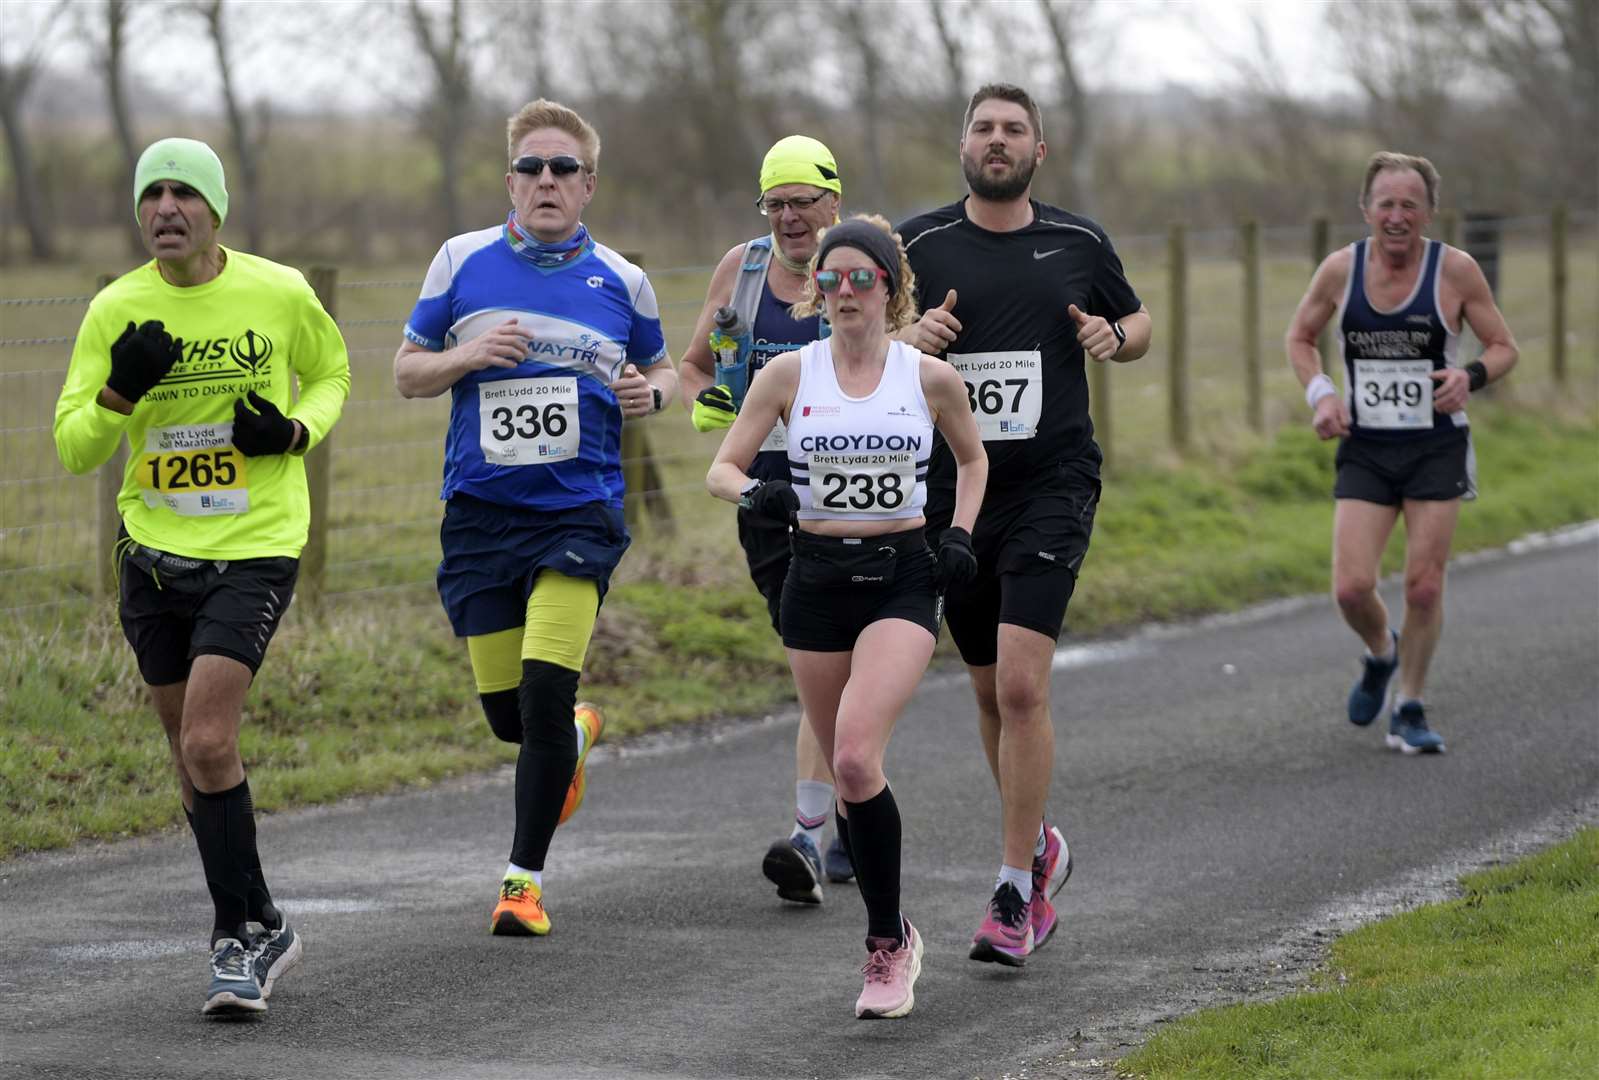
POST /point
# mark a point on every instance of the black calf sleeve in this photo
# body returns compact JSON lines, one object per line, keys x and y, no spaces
{"x":224,"y":831}
{"x":548,"y":759}
{"x":874,"y":833}
{"x":504,"y":715}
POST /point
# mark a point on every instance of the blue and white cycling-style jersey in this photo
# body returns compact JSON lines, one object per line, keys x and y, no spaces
{"x":546,"y":434}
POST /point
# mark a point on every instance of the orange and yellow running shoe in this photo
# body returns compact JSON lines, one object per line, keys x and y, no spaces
{"x":520,"y":912}
{"x":588,"y":717}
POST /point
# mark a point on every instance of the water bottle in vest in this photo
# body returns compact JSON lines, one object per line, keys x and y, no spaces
{"x":731,"y":344}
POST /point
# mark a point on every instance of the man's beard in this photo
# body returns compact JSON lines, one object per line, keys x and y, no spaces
{"x":998,"y":189}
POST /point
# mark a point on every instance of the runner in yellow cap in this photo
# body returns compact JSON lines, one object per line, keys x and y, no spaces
{"x":759,"y":280}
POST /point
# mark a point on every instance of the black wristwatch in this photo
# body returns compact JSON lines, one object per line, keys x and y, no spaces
{"x":1121,"y":336}
{"x":655,"y":394}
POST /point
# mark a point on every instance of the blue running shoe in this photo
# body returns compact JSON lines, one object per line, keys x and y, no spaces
{"x":276,"y":951}
{"x":1408,"y":731}
{"x":234,"y":990}
{"x":836,"y":861}
{"x":1370,"y":693}
{"x":795,"y":867}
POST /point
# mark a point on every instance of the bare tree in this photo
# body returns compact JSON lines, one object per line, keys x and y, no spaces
{"x":943,"y":13}
{"x":108,"y":40}
{"x":16,"y":80}
{"x":862,"y":33}
{"x":445,"y":115}
{"x":1064,"y":20}
{"x":247,"y":134}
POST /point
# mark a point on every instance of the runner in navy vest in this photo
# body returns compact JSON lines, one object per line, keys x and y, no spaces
{"x":1399,"y":300}
{"x":1024,"y":292}
{"x":762,"y":279}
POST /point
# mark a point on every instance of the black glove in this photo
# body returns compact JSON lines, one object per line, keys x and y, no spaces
{"x":265,"y":431}
{"x":773,"y":499}
{"x":141,"y":358}
{"x":957,"y":562}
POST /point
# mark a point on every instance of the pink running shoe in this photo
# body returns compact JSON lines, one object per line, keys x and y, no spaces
{"x":1054,"y":866}
{"x":1006,"y":936}
{"x":890,"y":990}
{"x":1041,"y":916}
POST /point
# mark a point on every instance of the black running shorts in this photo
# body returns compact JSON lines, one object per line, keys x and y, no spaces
{"x":836,"y":588}
{"x":767,"y":551}
{"x":1030,"y":542}
{"x":1433,"y":468}
{"x":174,"y":609}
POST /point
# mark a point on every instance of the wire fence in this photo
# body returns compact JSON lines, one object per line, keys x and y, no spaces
{"x":383,"y":462}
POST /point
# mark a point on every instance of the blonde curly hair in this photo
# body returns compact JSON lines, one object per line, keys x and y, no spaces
{"x":901,"y":309}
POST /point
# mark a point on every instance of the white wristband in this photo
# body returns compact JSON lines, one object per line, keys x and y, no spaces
{"x":1319,"y":388}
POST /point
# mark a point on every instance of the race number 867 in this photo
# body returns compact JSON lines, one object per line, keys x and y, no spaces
{"x":988,"y":396}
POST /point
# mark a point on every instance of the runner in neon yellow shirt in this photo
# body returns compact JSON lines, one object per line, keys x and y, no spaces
{"x":193,"y":357}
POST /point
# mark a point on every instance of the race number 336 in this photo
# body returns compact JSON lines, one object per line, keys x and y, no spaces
{"x":861,"y":483}
{"x":528,"y":421}
{"x":193,"y":470}
{"x":1393,"y":393}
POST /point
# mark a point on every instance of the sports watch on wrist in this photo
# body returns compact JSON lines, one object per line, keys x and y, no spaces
{"x":655,"y":396}
{"x":1121,"y":336}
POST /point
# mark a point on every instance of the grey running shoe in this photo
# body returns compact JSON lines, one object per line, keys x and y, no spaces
{"x":836,"y":860}
{"x":234,"y":990}
{"x":795,"y":867}
{"x":276,"y":951}
{"x":1408,"y":731}
{"x":1370,"y":693}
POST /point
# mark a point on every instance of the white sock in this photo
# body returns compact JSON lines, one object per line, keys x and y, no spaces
{"x":511,"y":869}
{"x":1022,"y":879}
{"x":1387,"y":654}
{"x":1041,"y":843}
{"x":812,"y":801}
{"x":1401,"y":701}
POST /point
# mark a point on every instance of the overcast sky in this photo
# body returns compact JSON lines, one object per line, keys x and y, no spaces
{"x":1135,"y":44}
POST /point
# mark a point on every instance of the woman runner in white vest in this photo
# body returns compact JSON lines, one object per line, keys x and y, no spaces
{"x":860,"y":411}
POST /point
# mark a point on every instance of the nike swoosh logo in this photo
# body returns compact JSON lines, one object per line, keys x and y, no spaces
{"x":1046,"y":254}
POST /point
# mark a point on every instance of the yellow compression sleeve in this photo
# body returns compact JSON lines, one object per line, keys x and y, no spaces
{"x":560,"y":620}
{"x":496,"y":660}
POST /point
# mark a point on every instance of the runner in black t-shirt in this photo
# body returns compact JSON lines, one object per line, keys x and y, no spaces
{"x":1022,"y":290}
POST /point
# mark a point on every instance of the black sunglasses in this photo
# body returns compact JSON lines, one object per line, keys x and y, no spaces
{"x":533,"y":165}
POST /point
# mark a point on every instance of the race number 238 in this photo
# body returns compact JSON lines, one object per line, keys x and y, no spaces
{"x":528,"y":421}
{"x":862,"y":483}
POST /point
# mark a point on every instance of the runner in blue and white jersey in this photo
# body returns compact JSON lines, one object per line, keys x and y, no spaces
{"x":547,"y":342}
{"x":1400,"y":301}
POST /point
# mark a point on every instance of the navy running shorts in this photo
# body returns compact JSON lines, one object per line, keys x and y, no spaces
{"x":838,"y":587}
{"x":1030,"y":541}
{"x":174,"y":608}
{"x":493,"y":553}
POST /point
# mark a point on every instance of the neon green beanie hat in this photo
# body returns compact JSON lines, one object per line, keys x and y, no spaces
{"x":799,"y":159}
{"x":188,"y":161}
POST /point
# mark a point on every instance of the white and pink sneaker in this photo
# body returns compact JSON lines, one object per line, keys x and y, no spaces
{"x":891,"y":971}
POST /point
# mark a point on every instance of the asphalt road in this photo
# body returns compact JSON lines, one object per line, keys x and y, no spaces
{"x":1217,"y":804}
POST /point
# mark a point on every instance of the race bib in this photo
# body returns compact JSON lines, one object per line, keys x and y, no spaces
{"x":1393,"y":394}
{"x":194,"y":470}
{"x":861,"y":483}
{"x":528,"y":421}
{"x":1006,"y":391}
{"x":777,"y":438}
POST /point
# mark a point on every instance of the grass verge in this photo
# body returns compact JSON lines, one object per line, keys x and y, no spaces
{"x":374,"y":693}
{"x":1503,"y":982}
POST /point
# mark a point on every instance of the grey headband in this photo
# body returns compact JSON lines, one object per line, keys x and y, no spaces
{"x":868,"y":238}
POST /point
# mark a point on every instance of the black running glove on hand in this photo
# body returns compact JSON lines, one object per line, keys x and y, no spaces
{"x":140,"y":358}
{"x":957,"y":562}
{"x":265,"y":431}
{"x":773,"y":499}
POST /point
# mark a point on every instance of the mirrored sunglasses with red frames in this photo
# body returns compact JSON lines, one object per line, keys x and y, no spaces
{"x":772,"y":206}
{"x":533,"y":165}
{"x":860,"y":279}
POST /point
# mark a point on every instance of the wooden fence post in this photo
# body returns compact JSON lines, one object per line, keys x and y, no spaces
{"x":641,"y":474}
{"x":1254,"y":406}
{"x":107,"y":518}
{"x":1449,"y":226}
{"x":1320,"y":243}
{"x":319,"y":467}
{"x":1557,"y":292}
{"x":1177,"y":376}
